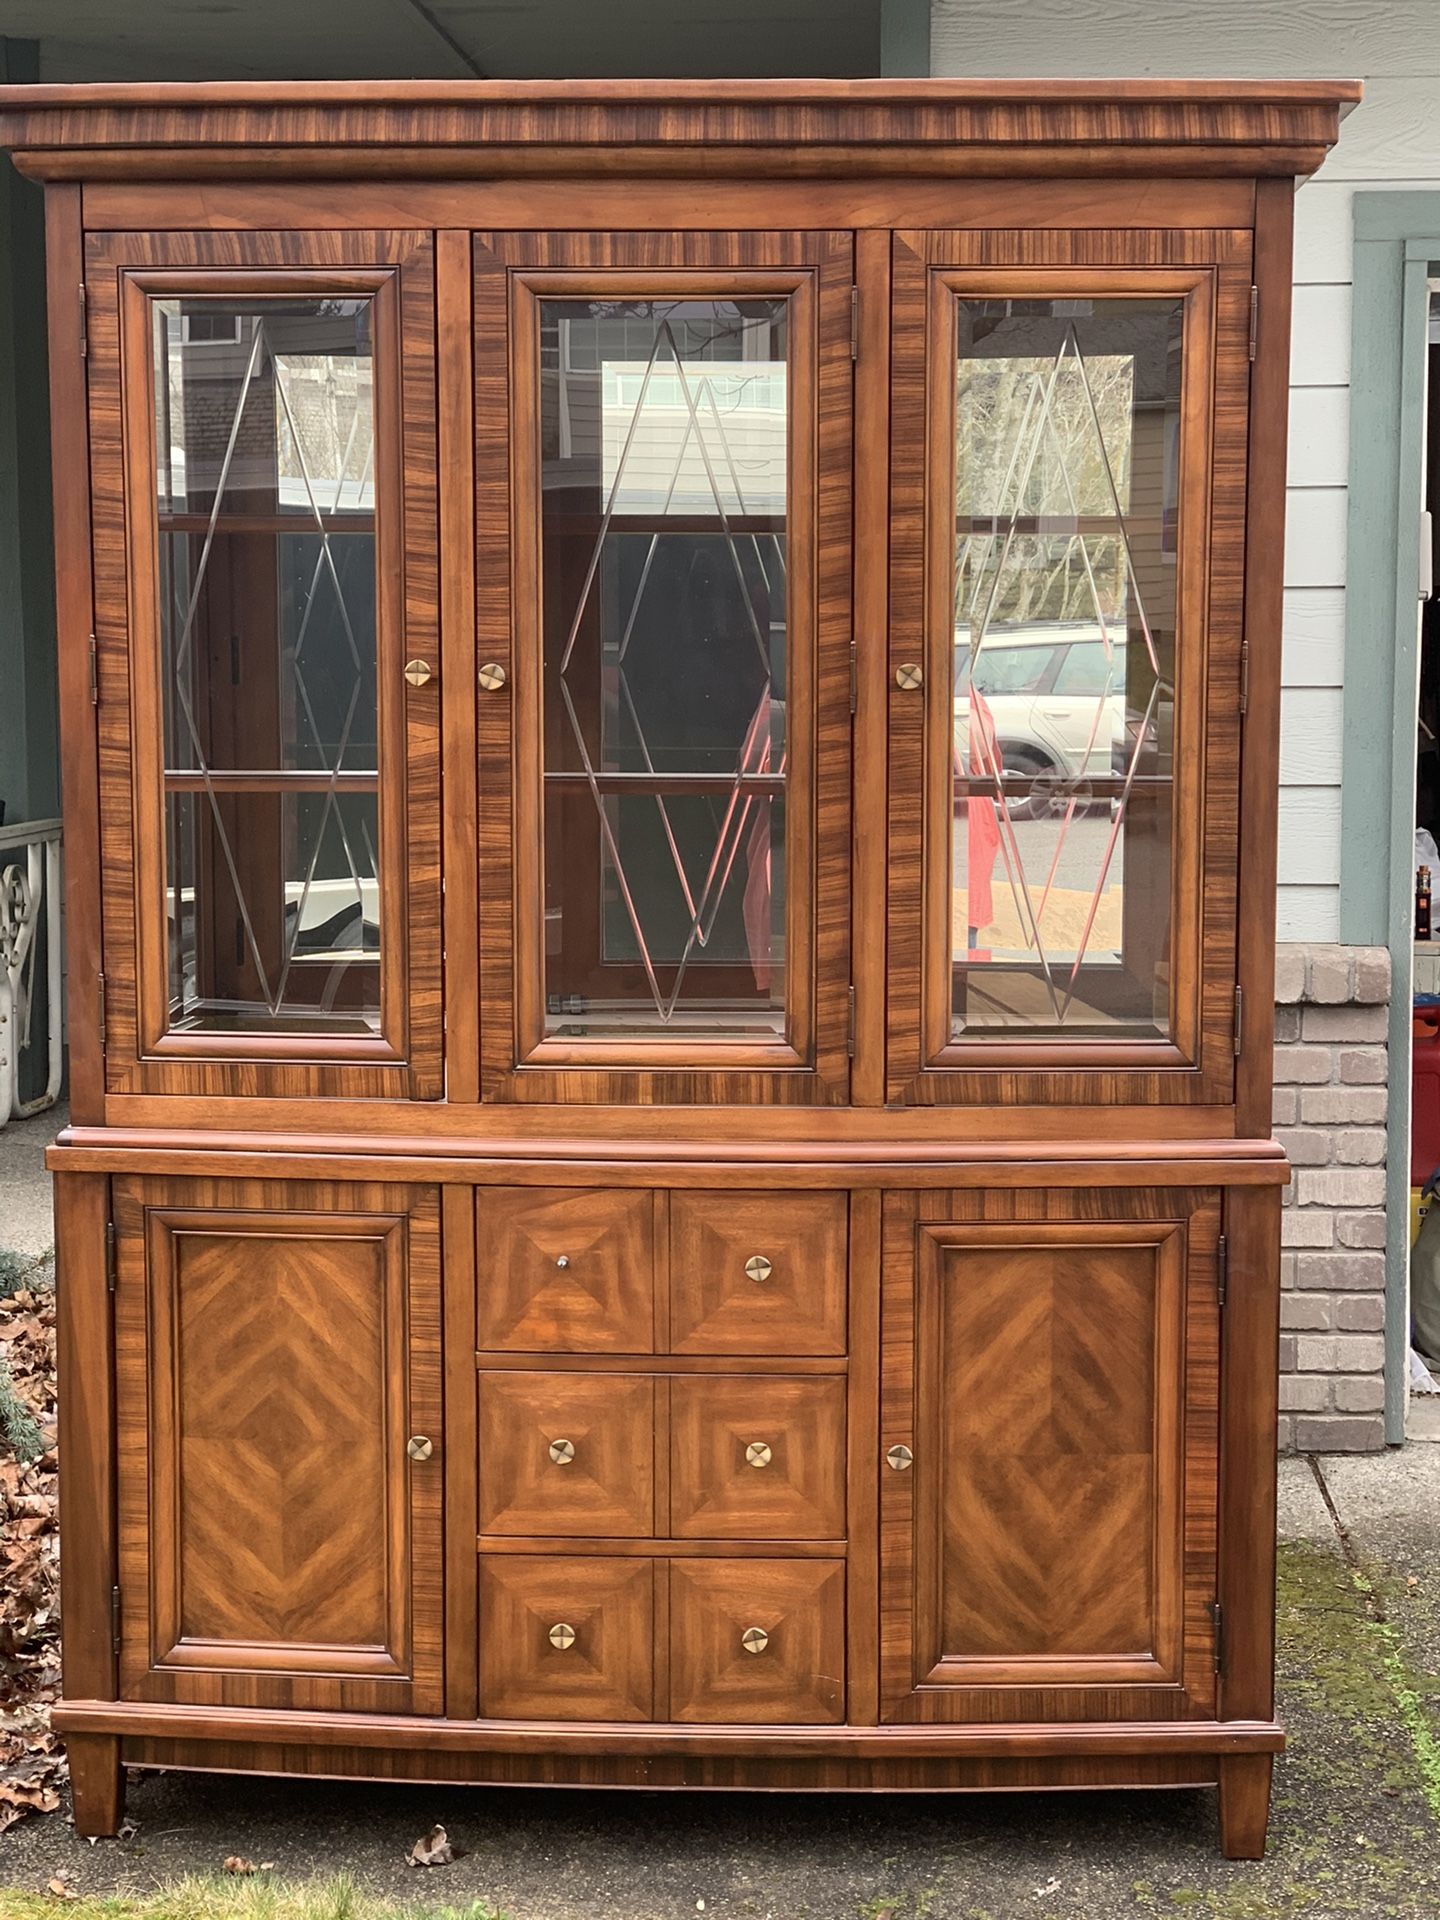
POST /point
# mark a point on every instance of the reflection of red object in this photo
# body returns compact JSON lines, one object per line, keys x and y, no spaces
{"x":1425,"y":1095}
{"x":982,"y":825}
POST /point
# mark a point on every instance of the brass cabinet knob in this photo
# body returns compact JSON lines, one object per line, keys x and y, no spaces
{"x":757,"y":1454}
{"x":754,"y":1639}
{"x":908,"y":677}
{"x":419,"y":1447}
{"x":493,"y":676}
{"x":562,"y":1452}
{"x":900,"y":1458}
{"x":562,"y":1635}
{"x":418,"y":672}
{"x":562,"y":1260}
{"x":758,"y":1268}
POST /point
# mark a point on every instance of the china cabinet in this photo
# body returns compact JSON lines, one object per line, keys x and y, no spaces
{"x":670,"y":714}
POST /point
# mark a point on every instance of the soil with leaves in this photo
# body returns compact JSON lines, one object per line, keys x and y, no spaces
{"x":32,"y":1763}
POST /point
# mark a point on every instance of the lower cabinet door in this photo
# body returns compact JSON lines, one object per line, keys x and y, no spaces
{"x":757,"y":1642}
{"x":279,"y":1417}
{"x":1049,"y":1437}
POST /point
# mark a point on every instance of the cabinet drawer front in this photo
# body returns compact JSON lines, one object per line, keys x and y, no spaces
{"x":565,"y":1272}
{"x":757,"y":1458}
{"x":566,"y":1639}
{"x":758,"y":1272}
{"x":567,"y":1453}
{"x":757,"y":1641}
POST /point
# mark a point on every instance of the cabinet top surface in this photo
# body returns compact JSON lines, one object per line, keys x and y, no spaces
{"x":1241,"y":126}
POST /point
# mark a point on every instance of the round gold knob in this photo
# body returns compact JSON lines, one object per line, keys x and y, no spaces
{"x":418,"y":1447}
{"x":908,"y":677}
{"x":754,"y":1639}
{"x":493,"y":676}
{"x":900,"y":1458}
{"x":562,"y":1452}
{"x":758,"y":1268}
{"x":562,"y":1635}
{"x":757,"y":1454}
{"x":417,"y":672}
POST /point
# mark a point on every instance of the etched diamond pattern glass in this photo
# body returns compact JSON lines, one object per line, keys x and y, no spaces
{"x":664,"y":427}
{"x":265,"y":438}
{"x":1067,"y":455}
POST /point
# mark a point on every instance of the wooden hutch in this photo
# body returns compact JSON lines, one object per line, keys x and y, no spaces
{"x":670,"y":706}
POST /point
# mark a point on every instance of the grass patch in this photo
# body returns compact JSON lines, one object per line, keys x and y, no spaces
{"x":258,"y":1897}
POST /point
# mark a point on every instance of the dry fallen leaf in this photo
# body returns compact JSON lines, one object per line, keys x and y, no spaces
{"x":59,"y":1888}
{"x":237,"y":1863}
{"x":432,"y":1849}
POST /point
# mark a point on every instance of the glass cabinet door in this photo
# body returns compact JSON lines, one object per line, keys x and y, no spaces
{"x":679,"y":626}
{"x":1066,"y":656}
{"x":278,"y":736}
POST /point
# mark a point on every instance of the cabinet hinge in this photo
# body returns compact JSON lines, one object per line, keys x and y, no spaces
{"x":850,"y":1023}
{"x":854,"y":323}
{"x":94,"y":673}
{"x":110,"y":1255}
{"x":854,"y":674}
{"x":115,"y":1621}
{"x":1217,"y":1621}
{"x":84,"y":323}
{"x":1244,"y":676}
{"x":1222,"y":1268}
{"x":1254,"y":317}
{"x":100,"y":1006}
{"x":1239,"y":1019}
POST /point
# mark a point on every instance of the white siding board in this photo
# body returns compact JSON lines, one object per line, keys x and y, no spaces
{"x":1328,"y":39}
{"x":1319,"y":436}
{"x":1314,"y":637}
{"x":1315,"y":537}
{"x":1320,"y":337}
{"x":1391,"y":135}
{"x":1309,"y":835}
{"x":1307,"y":913}
{"x":1310,"y":737}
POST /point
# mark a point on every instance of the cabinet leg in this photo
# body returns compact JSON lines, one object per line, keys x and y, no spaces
{"x":1244,"y":1804}
{"x":97,"y":1783}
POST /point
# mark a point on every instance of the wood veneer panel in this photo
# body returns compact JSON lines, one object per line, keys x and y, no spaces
{"x":602,"y":204}
{"x":603,"y":1671}
{"x":796,"y":1677}
{"x":962,"y":1532}
{"x":795,"y":1305}
{"x":723,"y":1488}
{"x":264,"y":1335}
{"x":74,"y":625}
{"x":566,"y":1269}
{"x":604,"y":1485}
{"x":86,"y":1373}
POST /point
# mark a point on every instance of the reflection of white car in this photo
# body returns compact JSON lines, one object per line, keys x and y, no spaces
{"x":1056,"y":699}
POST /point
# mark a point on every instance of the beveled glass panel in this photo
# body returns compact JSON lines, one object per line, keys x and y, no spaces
{"x":1067,"y":431}
{"x":664,"y":439}
{"x":265,"y":520}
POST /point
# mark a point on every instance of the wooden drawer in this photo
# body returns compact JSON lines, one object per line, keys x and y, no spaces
{"x":565,"y":1271}
{"x":757,"y":1641}
{"x":566,"y":1639}
{"x":758,"y":1273}
{"x":567,"y":1454}
{"x":758,"y":1457}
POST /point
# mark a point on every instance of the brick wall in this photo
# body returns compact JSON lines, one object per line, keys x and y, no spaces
{"x":1331,"y":1007}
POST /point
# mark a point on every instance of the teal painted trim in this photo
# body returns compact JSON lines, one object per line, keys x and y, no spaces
{"x":904,"y":39}
{"x":1397,"y":246}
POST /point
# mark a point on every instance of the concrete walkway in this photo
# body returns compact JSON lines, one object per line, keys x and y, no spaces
{"x":1356,"y":1830}
{"x":26,"y":1221}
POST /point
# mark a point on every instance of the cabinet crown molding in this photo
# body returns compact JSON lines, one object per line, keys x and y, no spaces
{"x":350,"y":128}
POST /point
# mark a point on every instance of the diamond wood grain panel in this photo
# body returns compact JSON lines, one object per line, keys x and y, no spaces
{"x":278,"y":1547}
{"x":757,"y":1272}
{"x":565,"y":1271}
{"x":567,"y":1453}
{"x":757,"y":1459}
{"x":796,"y":1611}
{"x":1050,"y":1360}
{"x":566,"y":1639}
